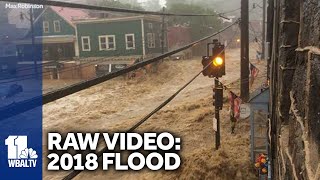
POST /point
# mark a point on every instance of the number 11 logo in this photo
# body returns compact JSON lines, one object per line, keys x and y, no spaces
{"x":19,"y":155}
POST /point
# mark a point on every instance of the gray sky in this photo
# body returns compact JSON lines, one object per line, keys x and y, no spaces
{"x":161,"y":2}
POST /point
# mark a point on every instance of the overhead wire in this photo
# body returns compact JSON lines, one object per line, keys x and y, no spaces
{"x":231,"y":11}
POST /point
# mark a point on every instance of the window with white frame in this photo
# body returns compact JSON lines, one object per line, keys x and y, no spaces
{"x":86,"y":43}
{"x":107,"y":42}
{"x":45,"y":26}
{"x":151,"y":40}
{"x":56,"y":26}
{"x":102,"y":43}
{"x":111,"y":42}
{"x":130,"y":41}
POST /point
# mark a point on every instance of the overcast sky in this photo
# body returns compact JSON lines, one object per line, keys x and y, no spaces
{"x":161,"y":2}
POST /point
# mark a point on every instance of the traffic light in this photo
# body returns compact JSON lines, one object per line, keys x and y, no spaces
{"x":217,"y":67}
{"x":218,"y":97}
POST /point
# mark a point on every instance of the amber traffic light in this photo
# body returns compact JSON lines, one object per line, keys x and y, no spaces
{"x":215,"y":65}
{"x":218,"y":61}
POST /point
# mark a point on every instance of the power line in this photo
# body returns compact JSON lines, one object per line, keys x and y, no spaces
{"x":104,"y":8}
{"x":231,"y":11}
{"x":21,"y":107}
{"x":73,"y":174}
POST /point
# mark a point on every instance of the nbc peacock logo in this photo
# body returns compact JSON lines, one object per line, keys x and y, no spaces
{"x":19,"y":155}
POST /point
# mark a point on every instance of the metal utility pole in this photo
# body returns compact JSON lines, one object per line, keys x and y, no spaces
{"x":33,"y":44}
{"x":263,"y":55}
{"x":217,"y":114}
{"x":245,"y":50}
{"x":214,"y":67}
{"x":163,"y":29}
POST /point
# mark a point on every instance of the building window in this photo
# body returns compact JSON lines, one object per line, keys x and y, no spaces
{"x":164,"y":42}
{"x":111,"y":42}
{"x":151,"y":40}
{"x":56,"y":25}
{"x":86,"y":43}
{"x":102,"y":43}
{"x":130,"y":41}
{"x":150,"y":26}
{"x":45,"y":26}
{"x":107,"y":42}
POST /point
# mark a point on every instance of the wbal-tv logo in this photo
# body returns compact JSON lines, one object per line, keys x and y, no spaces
{"x":19,"y":155}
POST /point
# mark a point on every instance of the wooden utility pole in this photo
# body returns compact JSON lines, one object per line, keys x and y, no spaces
{"x":269,"y":34}
{"x":33,"y":44}
{"x":163,"y":30}
{"x":245,"y":50}
{"x":264,"y":29}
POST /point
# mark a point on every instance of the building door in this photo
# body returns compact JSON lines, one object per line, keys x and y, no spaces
{"x":59,"y":51}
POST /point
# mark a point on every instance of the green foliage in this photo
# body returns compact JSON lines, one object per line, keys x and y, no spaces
{"x":200,"y":26}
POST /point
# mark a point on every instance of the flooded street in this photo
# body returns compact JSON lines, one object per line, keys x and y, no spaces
{"x":118,"y":104}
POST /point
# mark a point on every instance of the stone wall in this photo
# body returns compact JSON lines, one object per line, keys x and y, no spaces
{"x":296,"y":86}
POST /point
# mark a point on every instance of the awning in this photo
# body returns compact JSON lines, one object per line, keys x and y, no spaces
{"x":48,"y":40}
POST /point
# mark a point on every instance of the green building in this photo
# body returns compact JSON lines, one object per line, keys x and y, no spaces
{"x":54,"y":33}
{"x":125,"y":37}
{"x":67,"y":33}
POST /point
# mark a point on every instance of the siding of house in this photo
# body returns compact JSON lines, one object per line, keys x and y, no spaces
{"x":156,"y":29}
{"x":50,"y":16}
{"x":118,"y":29}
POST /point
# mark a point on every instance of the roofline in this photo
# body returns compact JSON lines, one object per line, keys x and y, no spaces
{"x":254,"y":97}
{"x":41,"y":14}
{"x":47,"y":7}
{"x":86,"y":21}
{"x":37,"y":19}
{"x":73,"y":25}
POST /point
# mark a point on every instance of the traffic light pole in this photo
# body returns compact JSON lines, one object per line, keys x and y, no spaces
{"x":217,"y":114}
{"x":214,"y":67}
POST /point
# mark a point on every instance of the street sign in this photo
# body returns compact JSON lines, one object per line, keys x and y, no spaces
{"x":244,"y":111}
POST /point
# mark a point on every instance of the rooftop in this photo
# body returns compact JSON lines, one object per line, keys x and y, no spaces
{"x":70,"y":14}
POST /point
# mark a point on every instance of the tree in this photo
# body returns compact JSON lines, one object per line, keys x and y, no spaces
{"x":200,"y":26}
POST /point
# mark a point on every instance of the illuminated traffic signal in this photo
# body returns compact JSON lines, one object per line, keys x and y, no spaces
{"x":219,"y":53}
{"x":218,"y":97}
{"x":216,"y":63}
